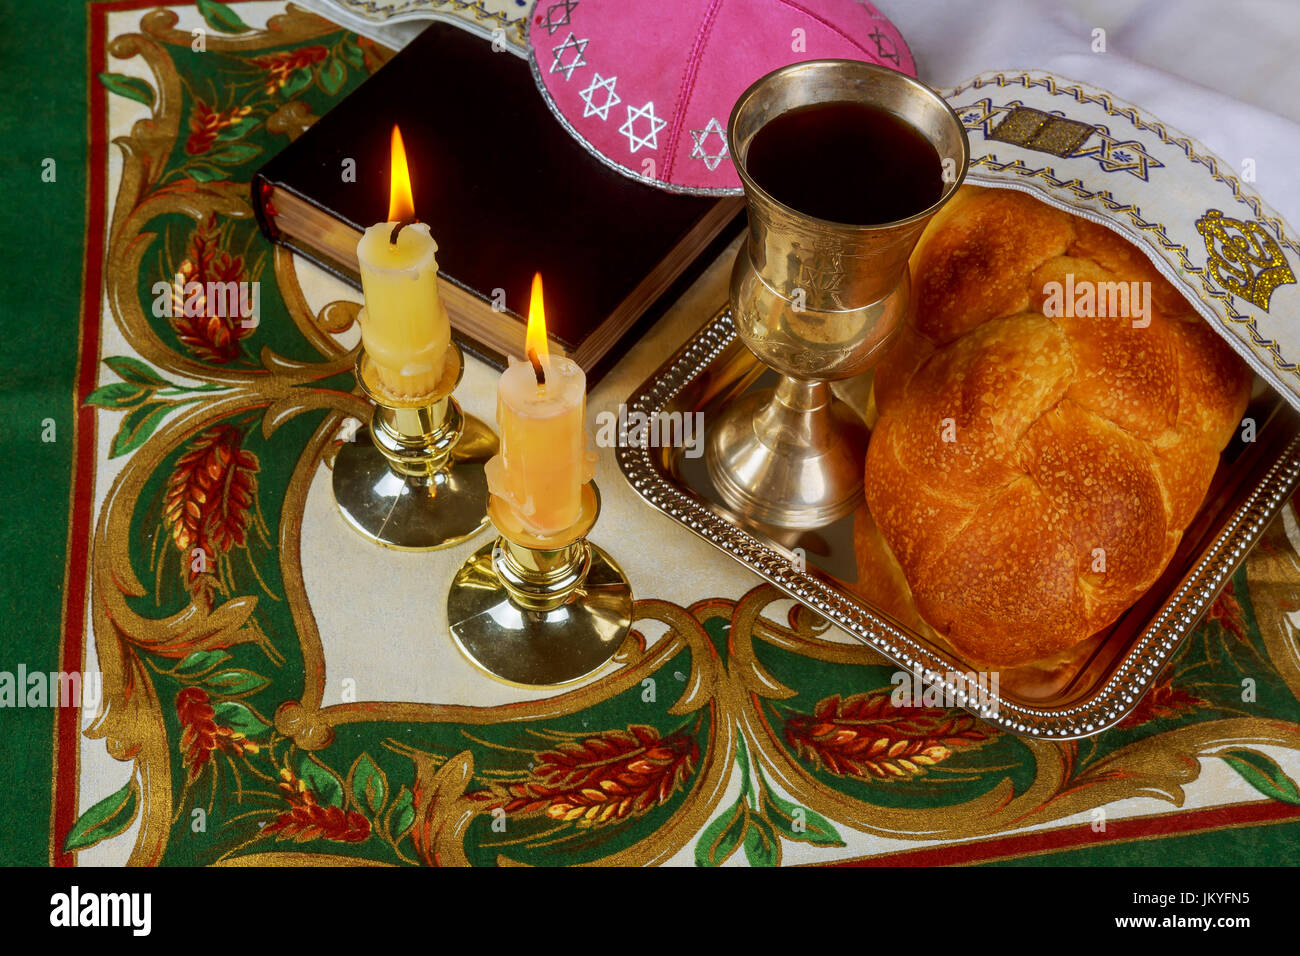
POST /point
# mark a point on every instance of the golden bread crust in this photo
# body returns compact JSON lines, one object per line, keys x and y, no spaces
{"x":1033,"y":473}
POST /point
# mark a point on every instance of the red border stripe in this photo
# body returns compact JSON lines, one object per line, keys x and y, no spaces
{"x":1182,"y":822}
{"x":68,"y":718}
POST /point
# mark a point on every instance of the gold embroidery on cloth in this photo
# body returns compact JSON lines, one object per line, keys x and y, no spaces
{"x":1244,"y":257}
{"x":1034,"y":129}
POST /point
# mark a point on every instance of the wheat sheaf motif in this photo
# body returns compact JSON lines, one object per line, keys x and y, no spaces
{"x":606,"y":777}
{"x":209,"y":504}
{"x":864,"y":735}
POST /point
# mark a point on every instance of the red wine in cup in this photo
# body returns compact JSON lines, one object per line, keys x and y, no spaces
{"x":846,"y":162}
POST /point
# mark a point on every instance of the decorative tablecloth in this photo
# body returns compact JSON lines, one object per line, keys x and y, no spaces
{"x":293,"y":696}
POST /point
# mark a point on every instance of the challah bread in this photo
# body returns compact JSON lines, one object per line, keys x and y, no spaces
{"x":1032,"y":474}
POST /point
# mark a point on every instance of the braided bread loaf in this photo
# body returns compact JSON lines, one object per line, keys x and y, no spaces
{"x":1033,"y":475}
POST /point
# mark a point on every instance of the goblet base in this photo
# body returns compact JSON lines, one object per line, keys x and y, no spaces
{"x":792,"y":457}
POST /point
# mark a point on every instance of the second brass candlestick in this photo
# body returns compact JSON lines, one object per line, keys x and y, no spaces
{"x":414,"y":479}
{"x":540,"y":613}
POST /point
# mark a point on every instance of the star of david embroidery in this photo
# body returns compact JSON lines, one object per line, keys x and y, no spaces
{"x":1116,"y":155}
{"x":611,"y":98}
{"x":885,"y":46}
{"x":982,"y":115}
{"x":570,"y":43}
{"x":553,"y":20}
{"x":711,"y":128}
{"x":650,"y":139}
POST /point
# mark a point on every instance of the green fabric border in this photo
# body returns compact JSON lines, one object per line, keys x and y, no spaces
{"x":1258,"y":844}
{"x":42,"y":230}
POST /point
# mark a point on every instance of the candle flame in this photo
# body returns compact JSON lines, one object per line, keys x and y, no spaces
{"x":400,"y":203}
{"x":535,"y":337}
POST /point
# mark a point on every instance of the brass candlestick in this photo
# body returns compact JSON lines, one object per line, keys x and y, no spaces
{"x":817,"y":301}
{"x":414,"y":480}
{"x":540,"y":612}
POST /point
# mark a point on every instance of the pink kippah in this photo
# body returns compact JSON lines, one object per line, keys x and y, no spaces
{"x":648,"y":85}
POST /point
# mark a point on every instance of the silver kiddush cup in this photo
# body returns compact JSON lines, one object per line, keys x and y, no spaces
{"x":817,"y":301}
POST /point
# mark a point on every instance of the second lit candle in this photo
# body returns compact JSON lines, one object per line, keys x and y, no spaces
{"x":541,"y":412}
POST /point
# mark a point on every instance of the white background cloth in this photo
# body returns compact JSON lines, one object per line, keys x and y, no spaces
{"x":1222,"y":71}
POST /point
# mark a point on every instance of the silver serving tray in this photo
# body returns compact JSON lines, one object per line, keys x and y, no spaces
{"x":1089,"y":689}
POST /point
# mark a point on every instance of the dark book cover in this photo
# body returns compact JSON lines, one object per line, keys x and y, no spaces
{"x":505,"y":189}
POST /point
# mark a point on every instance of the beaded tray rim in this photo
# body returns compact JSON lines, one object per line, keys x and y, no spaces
{"x":1103,"y":707}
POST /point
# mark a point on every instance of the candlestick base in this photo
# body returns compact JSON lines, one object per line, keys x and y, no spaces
{"x":541,"y":617}
{"x":414,"y":480}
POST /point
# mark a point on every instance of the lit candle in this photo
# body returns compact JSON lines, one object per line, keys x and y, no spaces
{"x":405,"y":328}
{"x":541,"y":408}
